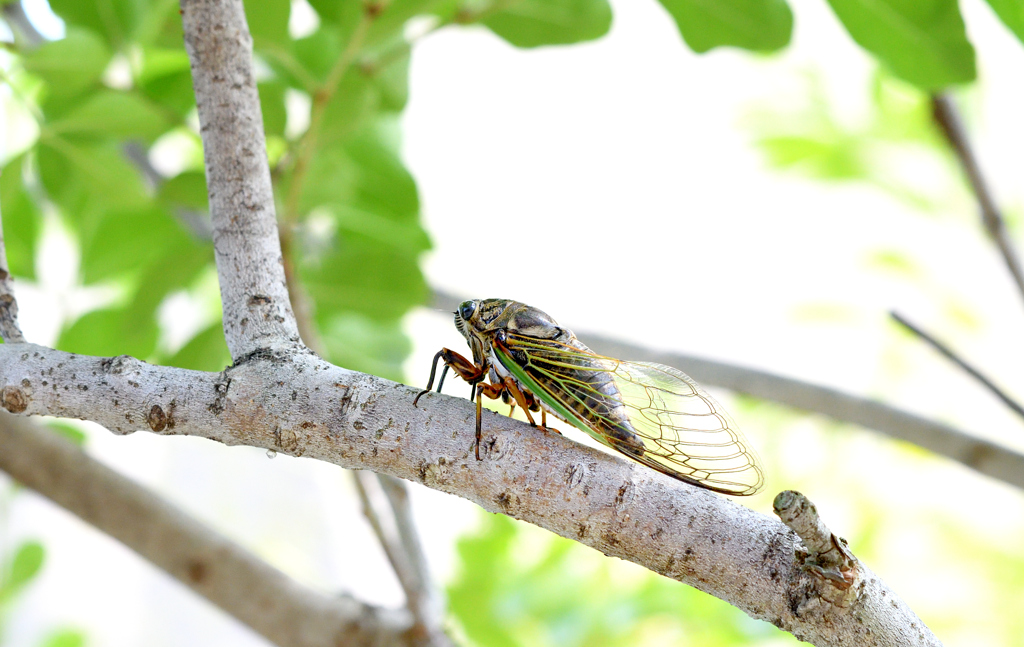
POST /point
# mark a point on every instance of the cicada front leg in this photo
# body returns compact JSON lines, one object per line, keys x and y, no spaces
{"x":464,"y":368}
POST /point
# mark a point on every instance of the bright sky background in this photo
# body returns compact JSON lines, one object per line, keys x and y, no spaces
{"x":614,"y":186}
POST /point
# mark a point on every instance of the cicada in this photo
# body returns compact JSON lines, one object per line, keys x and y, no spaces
{"x":652,"y":413}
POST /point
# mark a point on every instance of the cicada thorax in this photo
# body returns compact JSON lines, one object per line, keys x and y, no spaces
{"x":573,"y":381}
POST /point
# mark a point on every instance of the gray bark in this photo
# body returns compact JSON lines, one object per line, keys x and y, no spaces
{"x":294,"y":402}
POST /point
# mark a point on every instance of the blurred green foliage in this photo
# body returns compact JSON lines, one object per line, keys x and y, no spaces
{"x":809,"y":134}
{"x":117,"y":89}
{"x":20,"y":565}
{"x":522,"y":586}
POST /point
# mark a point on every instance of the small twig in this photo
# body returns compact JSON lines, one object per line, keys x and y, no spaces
{"x":948,"y":118}
{"x":9,"y":329}
{"x":827,"y":555}
{"x":953,"y":357}
{"x":408,"y":564}
{"x":428,"y":607}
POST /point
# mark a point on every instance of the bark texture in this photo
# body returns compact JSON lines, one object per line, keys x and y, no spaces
{"x":296,"y":403}
{"x":257,"y":311}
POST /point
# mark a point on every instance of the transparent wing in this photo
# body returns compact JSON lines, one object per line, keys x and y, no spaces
{"x":655,"y":414}
{"x":685,"y":430}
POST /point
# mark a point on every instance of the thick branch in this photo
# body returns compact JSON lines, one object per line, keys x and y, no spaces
{"x":948,"y":119}
{"x":10,"y":332}
{"x":296,"y":403}
{"x":241,"y":584}
{"x":977,"y":453}
{"x":257,"y":313}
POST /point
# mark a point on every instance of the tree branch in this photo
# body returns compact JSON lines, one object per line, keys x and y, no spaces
{"x":257,"y":312}
{"x":948,"y":353}
{"x":948,"y":119}
{"x":257,"y":594}
{"x":385,"y":505}
{"x":10,"y":332}
{"x":292,"y":401}
{"x":977,"y":453}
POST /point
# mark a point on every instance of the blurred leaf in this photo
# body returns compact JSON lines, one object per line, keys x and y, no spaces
{"x":361,"y":344}
{"x":182,"y":261}
{"x":532,"y":23}
{"x":518,"y":585}
{"x":24,"y":566}
{"x":364,"y":276}
{"x":758,"y":25}
{"x":166,"y":79}
{"x":187,"y":190}
{"x":207,"y":351}
{"x":832,"y":158}
{"x":71,"y":64}
{"x":1011,"y":12}
{"x":116,"y":20}
{"x":124,"y":241}
{"x":22,"y":219}
{"x":895,"y":262}
{"x":371,"y":265}
{"x":122,"y":115}
{"x":268,"y":20}
{"x":275,"y":116}
{"x":318,"y":52}
{"x":65,"y":638}
{"x":68,"y":431}
{"x":82,"y":178}
{"x":922,"y":41}
{"x":109,"y":332}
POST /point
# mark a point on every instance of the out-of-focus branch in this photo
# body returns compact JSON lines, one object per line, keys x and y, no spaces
{"x":948,"y":119}
{"x":278,"y":608}
{"x":9,"y":329}
{"x":948,"y":353}
{"x":385,"y":505}
{"x":984,"y":456}
{"x":24,"y":30}
{"x":257,"y":312}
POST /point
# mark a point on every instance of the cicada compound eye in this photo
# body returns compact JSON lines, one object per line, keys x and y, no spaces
{"x":467,"y":309}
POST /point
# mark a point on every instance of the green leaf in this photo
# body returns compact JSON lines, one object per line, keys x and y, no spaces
{"x":364,"y":276}
{"x":71,"y":64}
{"x":185,"y":190}
{"x":65,"y":638}
{"x":84,"y":178}
{"x":1011,"y":12}
{"x":109,"y":332}
{"x":207,"y":351}
{"x":758,"y":25}
{"x":125,"y":240}
{"x":921,"y":41}
{"x":116,"y":20}
{"x":22,"y":219}
{"x":268,"y":21}
{"x":24,"y":566}
{"x":122,"y":115}
{"x":361,"y":344}
{"x":275,"y":116}
{"x":532,"y":23}
{"x":166,"y":79}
